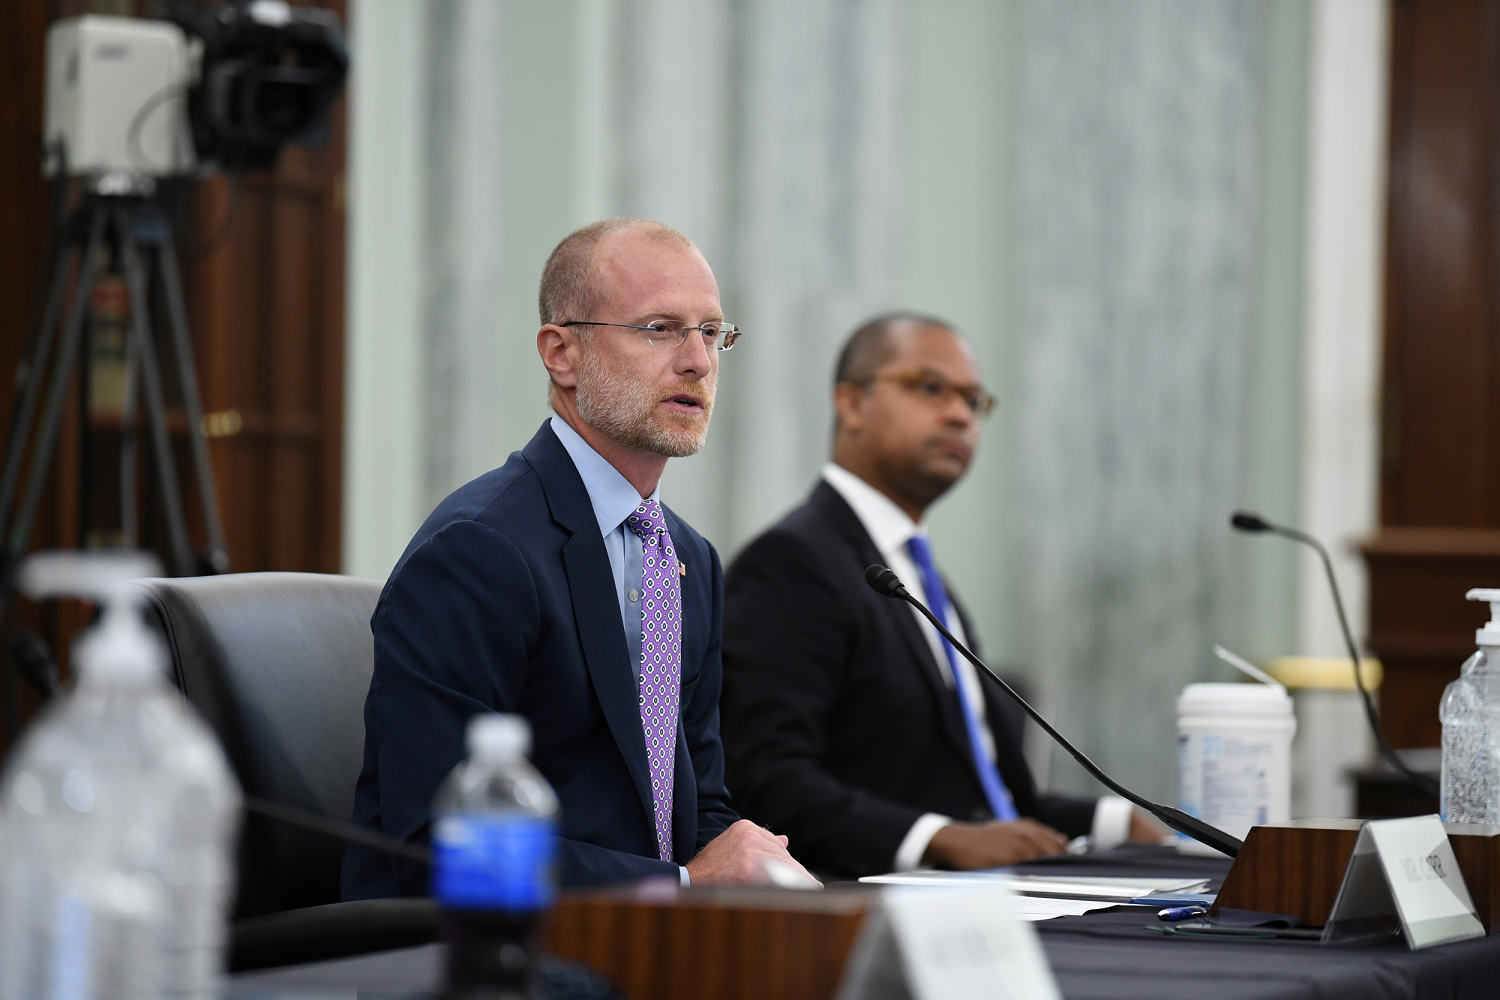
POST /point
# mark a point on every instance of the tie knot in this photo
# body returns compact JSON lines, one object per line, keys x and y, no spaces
{"x":646,"y":520}
{"x":920,"y":550}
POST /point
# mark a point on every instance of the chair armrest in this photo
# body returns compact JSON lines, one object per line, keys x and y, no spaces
{"x":333,"y":930}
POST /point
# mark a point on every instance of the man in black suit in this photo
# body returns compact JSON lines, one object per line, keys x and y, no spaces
{"x":848,"y":723}
{"x":559,"y":588}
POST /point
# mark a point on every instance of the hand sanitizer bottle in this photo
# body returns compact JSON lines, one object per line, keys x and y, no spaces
{"x":1470,"y":713}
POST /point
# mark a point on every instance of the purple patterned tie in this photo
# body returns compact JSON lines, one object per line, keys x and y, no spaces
{"x":661,"y":659}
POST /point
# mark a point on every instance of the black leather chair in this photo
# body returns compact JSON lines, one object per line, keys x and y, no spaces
{"x":278,"y":664}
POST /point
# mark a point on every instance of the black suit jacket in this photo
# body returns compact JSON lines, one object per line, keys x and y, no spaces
{"x":839,"y":730}
{"x":505,"y":602}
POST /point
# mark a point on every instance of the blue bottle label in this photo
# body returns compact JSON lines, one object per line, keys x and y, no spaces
{"x":484,"y":861}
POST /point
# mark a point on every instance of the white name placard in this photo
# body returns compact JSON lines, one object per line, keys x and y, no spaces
{"x":946,"y":944}
{"x":1403,"y":873}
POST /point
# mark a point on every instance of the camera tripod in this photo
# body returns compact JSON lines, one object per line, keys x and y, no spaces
{"x":134,"y":230}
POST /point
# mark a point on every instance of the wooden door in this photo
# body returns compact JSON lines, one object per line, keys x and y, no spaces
{"x":1440,"y":424}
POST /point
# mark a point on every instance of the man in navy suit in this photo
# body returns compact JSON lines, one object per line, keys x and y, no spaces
{"x":858,"y":730}
{"x":558,"y":587}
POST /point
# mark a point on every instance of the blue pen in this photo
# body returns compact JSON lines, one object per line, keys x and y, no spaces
{"x":1181,"y":912}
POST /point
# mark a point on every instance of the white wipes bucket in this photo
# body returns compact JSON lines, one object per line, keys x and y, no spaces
{"x":1234,"y":757}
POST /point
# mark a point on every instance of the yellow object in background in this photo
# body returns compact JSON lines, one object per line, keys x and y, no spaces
{"x":1325,"y":673}
{"x":1333,"y":734}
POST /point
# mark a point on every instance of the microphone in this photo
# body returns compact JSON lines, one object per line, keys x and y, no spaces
{"x":1255,"y":524}
{"x":1250,"y":523}
{"x":888,"y":584}
{"x":885,"y":582}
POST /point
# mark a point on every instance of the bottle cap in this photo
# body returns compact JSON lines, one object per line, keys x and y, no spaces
{"x":1490,"y":634}
{"x":498,"y":737}
{"x":120,"y":650}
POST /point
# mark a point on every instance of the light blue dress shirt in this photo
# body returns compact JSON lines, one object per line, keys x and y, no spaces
{"x":613,"y":499}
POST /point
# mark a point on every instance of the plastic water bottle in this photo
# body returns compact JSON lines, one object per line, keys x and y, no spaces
{"x":117,"y":819}
{"x":494,"y":843}
{"x":1470,"y":713}
{"x":80,"y":909}
{"x":200,"y":809}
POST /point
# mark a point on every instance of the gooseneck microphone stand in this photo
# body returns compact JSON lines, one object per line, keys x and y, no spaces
{"x":886,"y":583}
{"x":1255,"y":524}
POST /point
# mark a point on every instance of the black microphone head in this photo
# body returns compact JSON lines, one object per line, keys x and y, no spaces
{"x":1245,"y":521}
{"x":883,"y":581}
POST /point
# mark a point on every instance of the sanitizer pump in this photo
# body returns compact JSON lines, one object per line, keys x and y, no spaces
{"x":1470,"y":714}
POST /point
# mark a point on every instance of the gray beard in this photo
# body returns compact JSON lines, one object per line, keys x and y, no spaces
{"x":612,"y":405}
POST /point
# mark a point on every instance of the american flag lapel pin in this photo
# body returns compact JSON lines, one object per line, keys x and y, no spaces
{"x":681,"y":568}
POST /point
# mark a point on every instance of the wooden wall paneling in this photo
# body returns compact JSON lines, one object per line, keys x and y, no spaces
{"x":1420,"y":624}
{"x":219,"y":220}
{"x":297,"y":357}
{"x":278,"y":477}
{"x":332,"y":246}
{"x":275,"y":298}
{"x":23,"y":225}
{"x":1442,"y":345}
{"x":1440,"y":427}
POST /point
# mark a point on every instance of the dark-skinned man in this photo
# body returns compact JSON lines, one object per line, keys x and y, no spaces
{"x":848,"y":723}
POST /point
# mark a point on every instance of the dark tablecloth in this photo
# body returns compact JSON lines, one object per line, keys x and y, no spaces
{"x":1105,"y":955}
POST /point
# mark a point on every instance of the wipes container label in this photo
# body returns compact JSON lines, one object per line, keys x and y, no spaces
{"x":1234,"y":745}
{"x":1226,"y":780}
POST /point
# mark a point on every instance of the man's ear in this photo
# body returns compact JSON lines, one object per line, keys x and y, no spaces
{"x":848,"y":400}
{"x":560,"y":350}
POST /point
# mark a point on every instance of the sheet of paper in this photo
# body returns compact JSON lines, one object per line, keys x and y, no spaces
{"x":1034,"y":908}
{"x":1113,"y":889}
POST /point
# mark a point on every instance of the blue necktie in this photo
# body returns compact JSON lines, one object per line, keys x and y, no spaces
{"x":937,"y":599}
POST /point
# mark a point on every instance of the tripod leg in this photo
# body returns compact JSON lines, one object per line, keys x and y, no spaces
{"x":129,"y":516}
{"x":141,"y":335}
{"x":67,"y":354}
{"x":18,"y":534}
{"x":32,"y":371}
{"x":218,"y":555}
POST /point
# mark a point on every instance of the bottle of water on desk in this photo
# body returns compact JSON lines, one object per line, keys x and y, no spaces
{"x":117,"y":818}
{"x":80,"y":908}
{"x":1470,"y":713}
{"x":200,"y":807}
{"x":493,"y":847}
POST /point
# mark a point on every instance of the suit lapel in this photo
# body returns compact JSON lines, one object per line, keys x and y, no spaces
{"x":591,"y":587}
{"x":914,"y":648}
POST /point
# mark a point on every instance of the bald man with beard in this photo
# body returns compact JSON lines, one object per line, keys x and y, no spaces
{"x":559,"y":588}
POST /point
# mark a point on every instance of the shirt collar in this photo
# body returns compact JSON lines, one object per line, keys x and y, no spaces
{"x":611,"y":494}
{"x":888,"y":525}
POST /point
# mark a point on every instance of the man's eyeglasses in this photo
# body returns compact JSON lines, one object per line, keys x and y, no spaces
{"x":721,"y":336}
{"x":933,"y":388}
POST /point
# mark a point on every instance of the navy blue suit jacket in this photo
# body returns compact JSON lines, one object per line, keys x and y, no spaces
{"x":504,"y":602}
